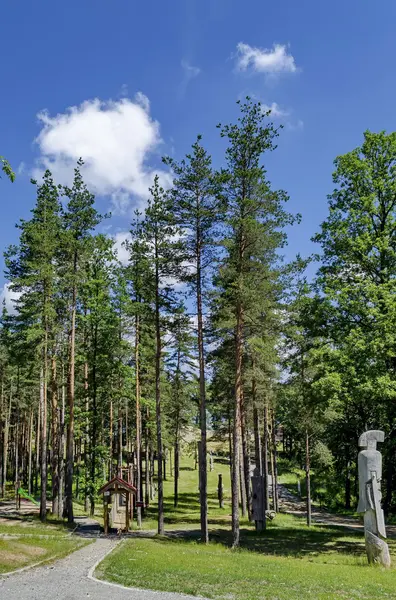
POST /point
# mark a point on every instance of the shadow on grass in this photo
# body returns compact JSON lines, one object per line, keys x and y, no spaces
{"x":282,"y":541}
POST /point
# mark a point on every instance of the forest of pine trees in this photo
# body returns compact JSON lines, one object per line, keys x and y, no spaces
{"x":206,"y":326}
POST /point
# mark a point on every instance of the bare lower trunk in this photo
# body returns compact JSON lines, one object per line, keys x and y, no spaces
{"x":30,"y":450}
{"x":70,"y":401}
{"x":265,"y":456}
{"x":43,"y":472}
{"x":158,"y":351}
{"x":236,"y":429}
{"x":176,"y":480}
{"x":62,"y":449}
{"x":203,"y":476}
{"x":246,"y":458}
{"x":257,"y":442}
{"x":308,"y":477}
{"x":138,"y":420}
{"x":275,"y":464}
{"x":55,"y":439}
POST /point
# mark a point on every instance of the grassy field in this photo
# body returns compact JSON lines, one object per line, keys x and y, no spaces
{"x":217,"y":572}
{"x":25,"y":541}
{"x":288,"y":561}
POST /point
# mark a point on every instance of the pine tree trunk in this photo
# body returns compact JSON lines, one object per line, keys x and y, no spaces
{"x":30,"y":451}
{"x":138,"y":419}
{"x":265,"y":456}
{"x":147,"y":467}
{"x":87,"y":436}
{"x":111,"y":428}
{"x":158,"y":403}
{"x":308,"y":477}
{"x":203,"y":477}
{"x":70,"y":402}
{"x":43,"y":472}
{"x":177,"y":470}
{"x":5,"y":448}
{"x":236,"y":428}
{"x":246,"y":457}
{"x":55,"y":439}
{"x":242,"y":484}
{"x":62,"y":448}
{"x":257,"y":442}
{"x":94,"y":422}
{"x":275,"y":465}
{"x":37,"y":447}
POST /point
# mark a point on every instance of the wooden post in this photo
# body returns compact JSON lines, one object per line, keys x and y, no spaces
{"x":220,"y":491}
{"x":105,"y":516}
{"x":127,"y":510}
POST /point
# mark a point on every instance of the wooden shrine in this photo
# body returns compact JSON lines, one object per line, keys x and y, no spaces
{"x":118,"y":500}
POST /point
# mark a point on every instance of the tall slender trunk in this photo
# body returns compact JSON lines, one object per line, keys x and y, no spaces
{"x":62,"y":447}
{"x":158,"y":396}
{"x":203,"y":476}
{"x":236,"y":427}
{"x":246,"y":457}
{"x":70,"y":401}
{"x":308,"y":477}
{"x":258,"y":458}
{"x":147,"y":464}
{"x":138,"y":419}
{"x":177,"y":471}
{"x":265,"y":456}
{"x":242,"y":484}
{"x":275,"y":464}
{"x":94,"y":421}
{"x":5,"y":447}
{"x":119,"y":438}
{"x":55,"y":438}
{"x":37,"y":447}
{"x":30,"y":452}
{"x":87,"y":436}
{"x":43,"y":472}
{"x":111,"y":427}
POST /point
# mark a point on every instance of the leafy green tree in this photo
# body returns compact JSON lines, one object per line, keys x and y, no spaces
{"x":358,"y":252}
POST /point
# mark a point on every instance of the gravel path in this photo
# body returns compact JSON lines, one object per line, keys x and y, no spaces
{"x":68,"y":579}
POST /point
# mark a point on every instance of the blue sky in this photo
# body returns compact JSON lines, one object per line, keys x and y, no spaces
{"x":146,"y":77}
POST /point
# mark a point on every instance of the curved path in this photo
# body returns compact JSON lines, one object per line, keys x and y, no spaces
{"x":69,"y":579}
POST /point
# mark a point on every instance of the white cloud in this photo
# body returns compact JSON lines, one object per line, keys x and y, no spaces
{"x":264,"y":60}
{"x":189,"y":70}
{"x":276,"y":111}
{"x":114,"y":138}
{"x":122,"y":252}
{"x":8,"y":296}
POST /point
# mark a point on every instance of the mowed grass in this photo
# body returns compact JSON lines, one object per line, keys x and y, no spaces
{"x":217,"y":572}
{"x":24,"y":541}
{"x":23,"y":551}
{"x":288,"y":561}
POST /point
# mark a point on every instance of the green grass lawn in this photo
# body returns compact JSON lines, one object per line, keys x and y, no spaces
{"x":288,"y":561}
{"x":24,"y":540}
{"x":215,"y":571}
{"x":21,"y":551}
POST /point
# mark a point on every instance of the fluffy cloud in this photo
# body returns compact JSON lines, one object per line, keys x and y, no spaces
{"x":263,"y":60}
{"x":189,"y":70}
{"x":122,"y":253}
{"x":8,"y":296}
{"x":115,"y":139}
{"x":276,"y":111}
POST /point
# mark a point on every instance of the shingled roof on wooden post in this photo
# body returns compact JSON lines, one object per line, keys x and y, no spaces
{"x":116,"y":485}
